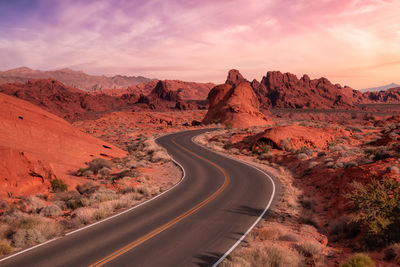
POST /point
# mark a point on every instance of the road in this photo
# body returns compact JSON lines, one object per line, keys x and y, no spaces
{"x":193,"y":224}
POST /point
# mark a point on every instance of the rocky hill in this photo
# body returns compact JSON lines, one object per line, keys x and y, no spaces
{"x":71,"y":78}
{"x":389,"y":96}
{"x":285,"y":90}
{"x":234,"y":103}
{"x":37,"y":146}
{"x":188,"y":90}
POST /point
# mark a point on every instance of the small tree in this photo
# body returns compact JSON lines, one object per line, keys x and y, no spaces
{"x":377,"y":207}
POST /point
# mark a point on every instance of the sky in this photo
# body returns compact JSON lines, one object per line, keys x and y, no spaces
{"x":351,"y":42}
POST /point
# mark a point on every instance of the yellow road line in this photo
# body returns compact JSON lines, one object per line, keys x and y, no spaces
{"x":165,"y":226}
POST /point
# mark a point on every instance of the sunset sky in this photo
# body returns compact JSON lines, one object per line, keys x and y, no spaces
{"x":352,"y":42}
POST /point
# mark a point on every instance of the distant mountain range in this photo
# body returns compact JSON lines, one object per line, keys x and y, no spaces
{"x":380,"y":88}
{"x":75,"y":79}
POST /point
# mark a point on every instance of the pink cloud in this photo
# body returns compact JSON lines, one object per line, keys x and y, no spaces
{"x":201,"y":40}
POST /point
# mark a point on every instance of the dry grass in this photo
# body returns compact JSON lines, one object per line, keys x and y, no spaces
{"x":392,"y":253}
{"x":273,"y":256}
{"x":5,"y":248}
{"x":309,"y":249}
{"x":268,"y":233}
{"x":32,"y":230}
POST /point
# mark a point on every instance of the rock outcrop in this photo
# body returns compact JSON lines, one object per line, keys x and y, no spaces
{"x":37,"y":146}
{"x":389,"y":96}
{"x":234,"y":103}
{"x":285,"y":90}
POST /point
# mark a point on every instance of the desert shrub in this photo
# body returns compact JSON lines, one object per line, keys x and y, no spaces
{"x":312,"y":164}
{"x":160,"y":156}
{"x":31,"y":230}
{"x":289,"y":237}
{"x":268,"y":233}
{"x":392,"y":253}
{"x":102,"y":195}
{"x":321,"y":154}
{"x":285,"y":144}
{"x":309,"y":249}
{"x":51,"y":211}
{"x":88,"y":187}
{"x":263,"y":147}
{"x":302,"y":156}
{"x":305,"y":150}
{"x":377,"y":207}
{"x":5,"y":248}
{"x":307,"y":217}
{"x":273,"y":256}
{"x":378,"y":153}
{"x":122,"y":174}
{"x":344,"y":227}
{"x":58,"y":185}
{"x":85,"y":214}
{"x":98,"y":163}
{"x":358,"y":260}
{"x":329,"y":164}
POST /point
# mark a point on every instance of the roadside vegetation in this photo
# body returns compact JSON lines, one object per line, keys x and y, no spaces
{"x":110,"y":186}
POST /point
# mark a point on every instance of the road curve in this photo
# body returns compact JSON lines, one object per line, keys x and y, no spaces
{"x":193,"y":224}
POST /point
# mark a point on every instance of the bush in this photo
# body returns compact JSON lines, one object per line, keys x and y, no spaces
{"x":289,"y":237}
{"x":307,"y":217}
{"x":58,"y":185}
{"x":88,"y":187}
{"x":51,"y":211}
{"x":310,"y":249}
{"x":358,"y":260}
{"x":269,"y":257}
{"x":377,"y":207}
{"x":378,"y":153}
{"x":31,"y":230}
{"x":98,"y":163}
{"x":5,"y":248}
{"x":393,"y":253}
{"x":268,"y":233}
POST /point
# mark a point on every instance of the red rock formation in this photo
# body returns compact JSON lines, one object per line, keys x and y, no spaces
{"x":234,"y":103}
{"x":189,"y":90}
{"x":37,"y":146}
{"x":285,"y":90}
{"x":389,"y":96}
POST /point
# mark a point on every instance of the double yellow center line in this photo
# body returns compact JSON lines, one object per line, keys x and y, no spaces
{"x":167,"y":225}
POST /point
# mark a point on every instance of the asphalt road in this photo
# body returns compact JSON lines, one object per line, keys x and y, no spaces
{"x":193,"y":224}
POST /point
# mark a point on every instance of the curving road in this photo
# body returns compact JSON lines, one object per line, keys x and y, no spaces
{"x":193,"y":224}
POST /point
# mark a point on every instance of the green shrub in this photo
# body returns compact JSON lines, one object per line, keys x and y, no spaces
{"x":377,"y":207}
{"x":5,"y":248}
{"x":58,"y":185}
{"x":358,"y":260}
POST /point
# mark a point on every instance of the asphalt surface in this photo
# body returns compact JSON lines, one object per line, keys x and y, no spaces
{"x":193,"y":224}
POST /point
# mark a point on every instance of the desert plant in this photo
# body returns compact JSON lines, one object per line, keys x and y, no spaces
{"x":289,"y":237}
{"x":268,"y":233}
{"x":51,"y":211}
{"x":88,"y":187}
{"x":273,"y":256}
{"x":98,"y":163}
{"x":58,"y":185}
{"x":5,"y":248}
{"x":309,"y":249}
{"x":377,"y":153}
{"x":307,"y":217}
{"x":358,"y":260}
{"x":377,"y":207}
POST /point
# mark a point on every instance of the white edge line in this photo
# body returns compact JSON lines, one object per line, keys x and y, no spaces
{"x":262,"y":214}
{"x":108,"y":218}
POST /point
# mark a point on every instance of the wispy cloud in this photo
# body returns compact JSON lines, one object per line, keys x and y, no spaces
{"x":201,"y":40}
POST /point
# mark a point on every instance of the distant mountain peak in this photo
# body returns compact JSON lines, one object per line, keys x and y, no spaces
{"x":380,"y":88}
